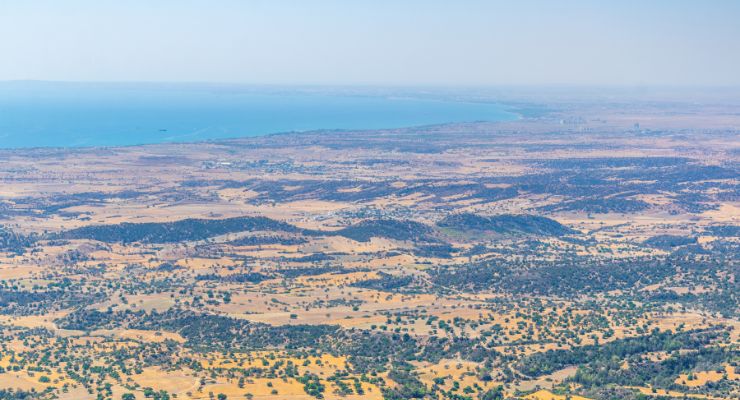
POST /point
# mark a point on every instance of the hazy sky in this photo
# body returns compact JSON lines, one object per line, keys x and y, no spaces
{"x":399,"y":42}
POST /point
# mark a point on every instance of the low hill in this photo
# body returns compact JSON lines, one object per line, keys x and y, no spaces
{"x":505,"y":224}
{"x":387,"y":228}
{"x":667,"y":242}
{"x":177,"y":231}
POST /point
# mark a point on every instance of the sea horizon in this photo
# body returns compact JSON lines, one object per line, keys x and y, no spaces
{"x":69,"y":114}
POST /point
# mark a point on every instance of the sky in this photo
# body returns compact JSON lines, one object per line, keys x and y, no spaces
{"x":374,"y":42}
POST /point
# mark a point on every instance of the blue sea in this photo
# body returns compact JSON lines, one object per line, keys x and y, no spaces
{"x":42,"y":114}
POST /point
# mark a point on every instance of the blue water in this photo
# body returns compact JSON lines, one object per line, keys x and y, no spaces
{"x":34,"y":114}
